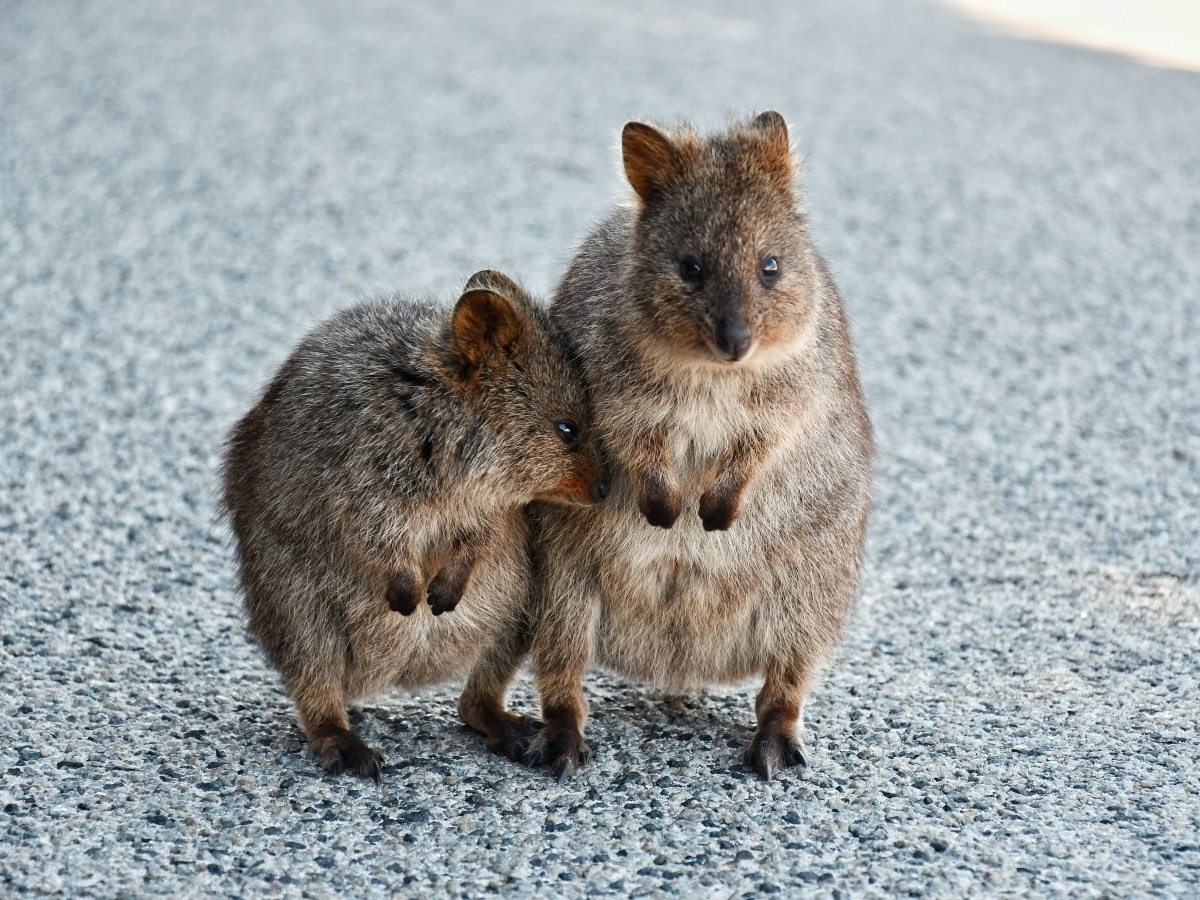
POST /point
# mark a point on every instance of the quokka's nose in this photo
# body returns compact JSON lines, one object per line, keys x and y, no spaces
{"x":599,"y":490}
{"x":734,"y":336}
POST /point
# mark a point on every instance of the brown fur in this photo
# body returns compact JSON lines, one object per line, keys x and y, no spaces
{"x":730,"y":411}
{"x":375,"y":495}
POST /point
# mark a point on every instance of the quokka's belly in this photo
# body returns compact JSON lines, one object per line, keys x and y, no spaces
{"x":392,"y":650}
{"x":676,"y":649}
{"x":681,"y":606}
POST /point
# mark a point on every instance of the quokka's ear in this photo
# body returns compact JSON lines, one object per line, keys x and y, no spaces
{"x":651,"y":161}
{"x":484,"y":323}
{"x":492,"y":280}
{"x":777,"y":146}
{"x":772,"y":124}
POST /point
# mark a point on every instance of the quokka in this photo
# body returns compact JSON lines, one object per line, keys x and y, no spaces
{"x":726,"y":399}
{"x":375,"y":494}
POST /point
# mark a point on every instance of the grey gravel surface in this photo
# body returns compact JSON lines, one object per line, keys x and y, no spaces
{"x":185,"y":189}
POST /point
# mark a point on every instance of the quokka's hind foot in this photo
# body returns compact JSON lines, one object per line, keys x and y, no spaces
{"x":559,"y":747}
{"x":779,"y":708}
{"x":482,"y":704}
{"x":512,"y":735}
{"x":506,"y":734}
{"x":341,"y":750}
{"x":771,"y":750}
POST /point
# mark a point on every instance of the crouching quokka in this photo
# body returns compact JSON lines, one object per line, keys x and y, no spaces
{"x":375,"y":495}
{"x":726,"y":397}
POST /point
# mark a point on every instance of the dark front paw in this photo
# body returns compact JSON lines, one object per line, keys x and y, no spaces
{"x":515,"y":736}
{"x":404,"y":593}
{"x":445,"y":592}
{"x":660,"y":502}
{"x":771,"y":750}
{"x":561,"y":749}
{"x":719,"y":506}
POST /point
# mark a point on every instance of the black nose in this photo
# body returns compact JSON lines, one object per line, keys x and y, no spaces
{"x":734,"y":336}
{"x":599,"y":490}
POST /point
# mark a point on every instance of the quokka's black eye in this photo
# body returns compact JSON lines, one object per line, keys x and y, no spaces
{"x":568,"y":431}
{"x":690,"y":270}
{"x":770,"y":269}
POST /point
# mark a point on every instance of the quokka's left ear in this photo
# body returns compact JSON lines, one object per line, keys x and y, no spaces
{"x":771,"y":123}
{"x":485,"y":324}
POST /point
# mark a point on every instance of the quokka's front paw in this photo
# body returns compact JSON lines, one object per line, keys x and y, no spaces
{"x":444,"y":593}
{"x":561,"y":749}
{"x":660,"y":502}
{"x":719,"y":506}
{"x":404,"y":593}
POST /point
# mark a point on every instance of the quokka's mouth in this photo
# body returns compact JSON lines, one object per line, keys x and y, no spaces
{"x":565,"y":498}
{"x":724,"y":358}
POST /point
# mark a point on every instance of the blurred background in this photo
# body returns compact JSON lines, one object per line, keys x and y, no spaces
{"x":1160,"y":32}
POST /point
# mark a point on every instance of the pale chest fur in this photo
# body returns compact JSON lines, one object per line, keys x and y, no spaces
{"x":386,"y":530}
{"x":700,"y":424}
{"x":684,"y":606}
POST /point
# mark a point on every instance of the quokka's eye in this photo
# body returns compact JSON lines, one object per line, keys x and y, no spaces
{"x":568,"y":431}
{"x":770,"y":269}
{"x":690,"y":270}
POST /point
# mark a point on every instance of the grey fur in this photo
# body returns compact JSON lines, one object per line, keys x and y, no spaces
{"x":386,"y":465}
{"x":755,"y":470}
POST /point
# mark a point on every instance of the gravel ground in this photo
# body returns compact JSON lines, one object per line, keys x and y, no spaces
{"x":184,"y":190}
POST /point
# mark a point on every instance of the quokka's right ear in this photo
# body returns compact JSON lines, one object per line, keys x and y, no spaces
{"x":485,"y":323}
{"x":777,"y":158}
{"x":492,"y":280}
{"x":651,"y":161}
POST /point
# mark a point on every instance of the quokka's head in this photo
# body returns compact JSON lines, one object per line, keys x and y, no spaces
{"x":723,"y":271}
{"x":515,"y":367}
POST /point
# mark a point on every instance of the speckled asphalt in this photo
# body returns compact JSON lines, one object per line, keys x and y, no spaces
{"x":185,"y":189}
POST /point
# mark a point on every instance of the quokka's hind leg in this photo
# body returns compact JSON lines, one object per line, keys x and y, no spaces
{"x":482,"y":705}
{"x":296,"y":608}
{"x":560,"y":746}
{"x":777,"y":743}
{"x":323,"y":717}
{"x":563,"y":643}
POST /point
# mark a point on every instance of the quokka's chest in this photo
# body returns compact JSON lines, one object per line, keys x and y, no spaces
{"x":695,"y":427}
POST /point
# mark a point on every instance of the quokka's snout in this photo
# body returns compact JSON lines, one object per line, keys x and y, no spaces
{"x":587,"y":485}
{"x":586,"y":481}
{"x":733,"y":336}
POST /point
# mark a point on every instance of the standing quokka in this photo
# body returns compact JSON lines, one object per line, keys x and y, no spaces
{"x":726,"y":398}
{"x":386,"y":465}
